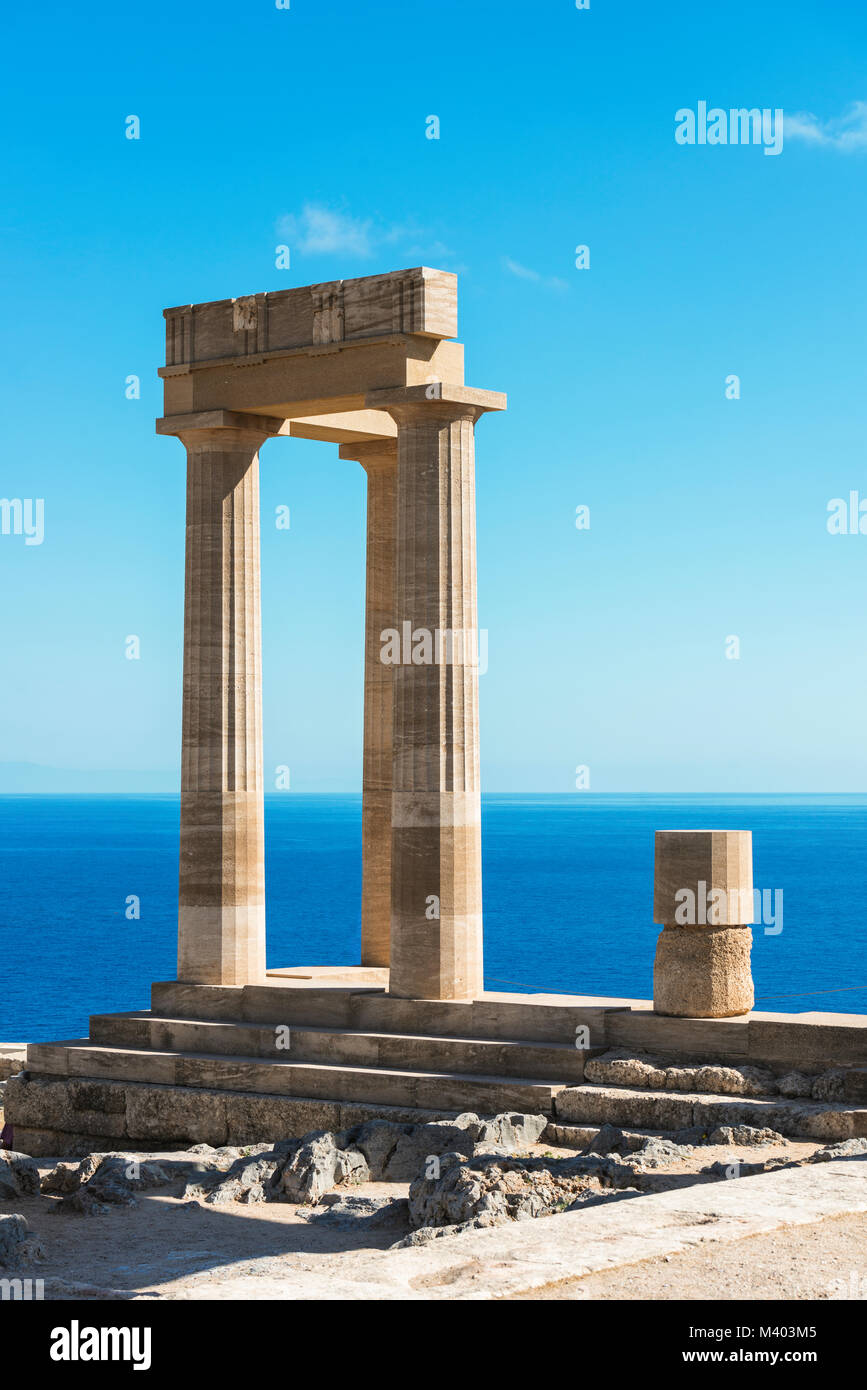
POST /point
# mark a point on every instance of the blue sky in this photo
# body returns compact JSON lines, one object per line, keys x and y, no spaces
{"x":708,"y":515}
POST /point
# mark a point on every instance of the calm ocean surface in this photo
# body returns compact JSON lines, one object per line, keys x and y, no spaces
{"x":568,"y":892}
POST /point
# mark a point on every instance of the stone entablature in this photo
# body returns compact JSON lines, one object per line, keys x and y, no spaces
{"x":420,"y":302}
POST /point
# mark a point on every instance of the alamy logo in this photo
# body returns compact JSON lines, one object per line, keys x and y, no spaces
{"x":451,"y":646}
{"x":847,"y":517}
{"x":718,"y":908}
{"x":77,"y":1343}
{"x":23,"y":517}
{"x":21,"y":1290}
{"x":738,"y":126}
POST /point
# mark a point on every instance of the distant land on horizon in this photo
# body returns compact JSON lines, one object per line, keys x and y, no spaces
{"x":35,"y":777}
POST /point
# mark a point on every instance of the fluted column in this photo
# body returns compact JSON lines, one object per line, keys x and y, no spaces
{"x":379,"y":460}
{"x":221,"y":921}
{"x":436,"y":905}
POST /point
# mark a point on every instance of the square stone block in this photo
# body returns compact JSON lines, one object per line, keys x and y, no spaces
{"x":703,"y":878}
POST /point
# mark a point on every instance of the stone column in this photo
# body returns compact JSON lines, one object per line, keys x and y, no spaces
{"x":221,"y":920}
{"x":703,"y":896}
{"x":436,"y":903}
{"x":379,"y":460}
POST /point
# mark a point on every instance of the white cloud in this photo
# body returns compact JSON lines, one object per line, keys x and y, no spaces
{"x":523,"y":272}
{"x":320,"y":230}
{"x":845,"y":133}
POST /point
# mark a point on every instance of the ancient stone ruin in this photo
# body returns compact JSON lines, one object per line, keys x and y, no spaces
{"x":234,"y":1053}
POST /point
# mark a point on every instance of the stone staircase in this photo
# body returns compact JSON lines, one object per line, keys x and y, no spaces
{"x":317,"y":1063}
{"x":216,"y":1065}
{"x":223,"y":1064}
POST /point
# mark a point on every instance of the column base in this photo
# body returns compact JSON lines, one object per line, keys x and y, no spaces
{"x":703,"y":972}
{"x":221,"y":945}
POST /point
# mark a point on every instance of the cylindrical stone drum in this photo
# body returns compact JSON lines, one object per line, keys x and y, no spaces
{"x":703,"y":897}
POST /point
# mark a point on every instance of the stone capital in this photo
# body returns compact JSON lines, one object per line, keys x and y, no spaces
{"x":371,"y":454}
{"x":227,"y":426}
{"x":438,"y":401}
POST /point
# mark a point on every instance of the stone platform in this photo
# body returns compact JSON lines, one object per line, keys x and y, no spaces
{"x":313,"y":1049}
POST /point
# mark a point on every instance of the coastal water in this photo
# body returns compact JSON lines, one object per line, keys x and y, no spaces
{"x":568,"y":891}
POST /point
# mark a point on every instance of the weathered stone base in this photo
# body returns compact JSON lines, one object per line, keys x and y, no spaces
{"x":57,"y":1116}
{"x":703,"y":972}
{"x":663,"y":1110}
{"x":210,"y":1065}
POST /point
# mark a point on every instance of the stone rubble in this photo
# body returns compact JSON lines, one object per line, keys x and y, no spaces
{"x":19,"y":1175}
{"x":645,"y":1071}
{"x":743,"y":1134}
{"x":368,"y":1213}
{"x":102,"y":1181}
{"x":849,"y":1148}
{"x":465,"y":1174}
{"x":18,"y":1245}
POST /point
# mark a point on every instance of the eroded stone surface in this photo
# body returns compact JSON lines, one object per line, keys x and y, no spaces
{"x":743,"y":1134}
{"x":18,"y":1244}
{"x":849,"y":1148}
{"x":318,"y":1165}
{"x":703,"y":972}
{"x":106,"y":1180}
{"x":18,"y":1174}
{"x":619,"y":1067}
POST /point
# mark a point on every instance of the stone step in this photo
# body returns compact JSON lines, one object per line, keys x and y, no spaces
{"x":667,"y":1110}
{"x":391,"y":1051}
{"x":425,"y":1090}
{"x":501,"y":1017}
{"x":644,"y":1071}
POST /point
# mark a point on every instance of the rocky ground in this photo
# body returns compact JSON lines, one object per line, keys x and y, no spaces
{"x":200,"y":1222}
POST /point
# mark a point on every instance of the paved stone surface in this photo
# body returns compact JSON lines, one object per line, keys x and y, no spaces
{"x":823,"y":1260}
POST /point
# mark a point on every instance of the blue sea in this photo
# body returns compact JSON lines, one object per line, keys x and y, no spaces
{"x":568,"y":896}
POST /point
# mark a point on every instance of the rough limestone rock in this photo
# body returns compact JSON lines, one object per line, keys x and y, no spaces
{"x":609,"y":1139}
{"x":795,"y":1085}
{"x":492,"y":1151}
{"x":377,"y":1140}
{"x":737,"y":1168}
{"x":831,"y":1085}
{"x":495,"y":1189}
{"x":412,"y":1151}
{"x":425,"y":1234}
{"x":18,"y":1245}
{"x":849,"y":1148}
{"x":692,"y":1135}
{"x":490,"y":1189}
{"x":399,"y":1152}
{"x":362,"y":1213}
{"x":116,"y":1180}
{"x":317,"y":1165}
{"x":703,"y":972}
{"x":744,"y":1080}
{"x":19,"y":1175}
{"x":61,"y":1180}
{"x":744,"y":1134}
{"x":70,"y":1176}
{"x":660,"y":1153}
{"x":619,"y":1067}
{"x":249,"y":1179}
{"x":511,"y":1130}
